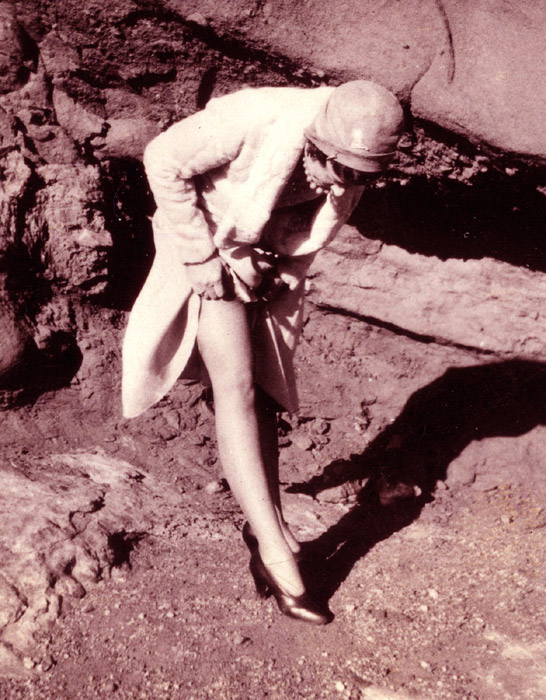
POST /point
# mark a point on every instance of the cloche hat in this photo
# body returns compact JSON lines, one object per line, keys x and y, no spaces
{"x":359,"y":126}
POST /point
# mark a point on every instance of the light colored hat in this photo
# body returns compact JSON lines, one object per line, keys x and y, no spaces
{"x":359,"y":126}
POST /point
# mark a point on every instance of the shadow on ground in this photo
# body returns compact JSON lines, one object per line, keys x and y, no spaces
{"x":437,"y":423}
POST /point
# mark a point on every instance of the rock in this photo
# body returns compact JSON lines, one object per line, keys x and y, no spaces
{"x":12,"y":68}
{"x":14,"y":185}
{"x":376,"y":693}
{"x":76,"y":119}
{"x":60,"y":59}
{"x":73,"y":237}
{"x":16,"y":346}
{"x":486,"y":304}
{"x":302,"y":441}
{"x":214,"y":487}
{"x":344,"y":493}
{"x":198,"y":18}
{"x":130,"y":125}
{"x":489,"y":83}
{"x":496,"y":462}
{"x":126,"y":138}
{"x":73,"y":514}
{"x":461,"y":472}
{"x":321,"y":426}
{"x":12,"y":605}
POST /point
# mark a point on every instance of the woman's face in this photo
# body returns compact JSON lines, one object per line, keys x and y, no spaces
{"x":324,"y":174}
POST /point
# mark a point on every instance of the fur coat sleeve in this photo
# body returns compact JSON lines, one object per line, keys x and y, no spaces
{"x":198,"y":144}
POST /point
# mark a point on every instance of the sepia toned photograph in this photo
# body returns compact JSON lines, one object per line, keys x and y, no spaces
{"x":272,"y":350}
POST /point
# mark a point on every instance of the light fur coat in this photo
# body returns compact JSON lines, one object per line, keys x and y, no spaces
{"x":216,"y":177}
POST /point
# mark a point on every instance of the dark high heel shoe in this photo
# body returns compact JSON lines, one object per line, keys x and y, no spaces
{"x":301,"y":607}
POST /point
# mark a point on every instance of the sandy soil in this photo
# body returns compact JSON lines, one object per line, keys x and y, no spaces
{"x":437,"y":586}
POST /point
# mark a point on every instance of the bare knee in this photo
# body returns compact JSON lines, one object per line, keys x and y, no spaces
{"x":235,"y":388}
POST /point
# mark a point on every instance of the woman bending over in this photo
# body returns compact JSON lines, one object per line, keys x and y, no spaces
{"x":248,"y":191}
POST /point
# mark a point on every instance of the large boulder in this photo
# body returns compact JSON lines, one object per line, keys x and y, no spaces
{"x":474,"y":67}
{"x":490,"y":82}
{"x":61,"y":533}
{"x":486,"y":305}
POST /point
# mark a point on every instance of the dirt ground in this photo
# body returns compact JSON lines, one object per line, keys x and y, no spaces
{"x":413,"y":473}
{"x":434,"y":568}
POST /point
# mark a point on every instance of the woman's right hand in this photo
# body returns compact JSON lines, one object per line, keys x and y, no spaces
{"x":206,"y":278}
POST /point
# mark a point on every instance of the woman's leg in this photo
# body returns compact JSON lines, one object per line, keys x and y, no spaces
{"x":225,"y":346}
{"x":268,"y":430}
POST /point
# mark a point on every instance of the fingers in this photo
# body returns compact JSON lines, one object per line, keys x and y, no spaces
{"x":206,"y":279}
{"x":212,"y":291}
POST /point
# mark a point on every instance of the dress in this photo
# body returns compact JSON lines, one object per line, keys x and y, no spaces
{"x":223,"y":181}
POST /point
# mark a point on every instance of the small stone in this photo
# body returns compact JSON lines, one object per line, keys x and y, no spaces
{"x":28,"y":663}
{"x":425,"y":665}
{"x":213,"y":487}
{"x":198,"y":18}
{"x":433,"y":594}
{"x":350,"y":607}
{"x":322,"y":426}
{"x":46,"y":664}
{"x":423,"y":608}
{"x":340,"y":686}
{"x":303,"y":442}
{"x":322,"y":439}
{"x":118,"y":575}
{"x":506,"y":519}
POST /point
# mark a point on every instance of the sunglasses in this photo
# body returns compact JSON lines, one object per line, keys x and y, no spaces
{"x":346,"y":174}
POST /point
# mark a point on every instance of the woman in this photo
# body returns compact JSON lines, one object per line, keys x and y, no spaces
{"x":247,"y":191}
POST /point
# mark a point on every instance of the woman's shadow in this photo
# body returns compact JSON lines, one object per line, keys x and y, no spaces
{"x":437,"y":423}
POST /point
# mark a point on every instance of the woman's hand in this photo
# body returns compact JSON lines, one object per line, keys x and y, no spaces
{"x":206,"y":278}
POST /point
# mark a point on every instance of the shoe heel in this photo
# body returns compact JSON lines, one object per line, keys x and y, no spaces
{"x":263,"y":588}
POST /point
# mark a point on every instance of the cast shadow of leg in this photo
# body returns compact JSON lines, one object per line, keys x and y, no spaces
{"x":437,"y":423}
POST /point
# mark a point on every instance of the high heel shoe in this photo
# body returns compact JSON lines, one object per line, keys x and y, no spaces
{"x":301,"y":607}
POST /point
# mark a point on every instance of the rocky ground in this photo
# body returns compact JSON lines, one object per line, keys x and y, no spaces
{"x":414,"y":471}
{"x":429,"y":543}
